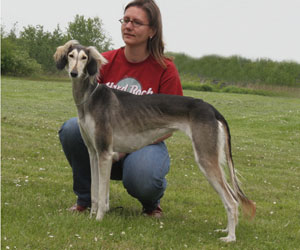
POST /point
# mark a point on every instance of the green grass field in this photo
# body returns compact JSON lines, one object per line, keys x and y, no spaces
{"x":37,"y":181}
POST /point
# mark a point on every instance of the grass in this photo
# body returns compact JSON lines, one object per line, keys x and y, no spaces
{"x":37,"y":181}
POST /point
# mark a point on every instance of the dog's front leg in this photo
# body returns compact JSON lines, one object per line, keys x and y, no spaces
{"x":94,"y":181}
{"x":94,"y":166}
{"x":104,"y":171}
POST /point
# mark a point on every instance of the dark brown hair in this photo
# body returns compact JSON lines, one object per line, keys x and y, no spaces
{"x":155,"y":44}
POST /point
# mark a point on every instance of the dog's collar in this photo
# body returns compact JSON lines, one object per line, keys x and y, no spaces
{"x":83,"y":102}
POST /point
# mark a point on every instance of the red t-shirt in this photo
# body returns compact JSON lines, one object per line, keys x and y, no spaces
{"x":147,"y":77}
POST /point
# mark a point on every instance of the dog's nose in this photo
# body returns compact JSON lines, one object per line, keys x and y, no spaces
{"x":74,"y":73}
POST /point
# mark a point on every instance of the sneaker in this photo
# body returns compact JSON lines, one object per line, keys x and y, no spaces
{"x":156,"y":213}
{"x":78,"y":208}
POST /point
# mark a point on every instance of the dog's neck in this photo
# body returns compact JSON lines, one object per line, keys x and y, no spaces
{"x":82,"y":90}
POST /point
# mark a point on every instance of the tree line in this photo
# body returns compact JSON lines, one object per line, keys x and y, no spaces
{"x":239,"y":70}
{"x":31,"y":50}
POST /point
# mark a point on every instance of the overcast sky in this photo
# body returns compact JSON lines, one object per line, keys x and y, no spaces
{"x":249,"y":28}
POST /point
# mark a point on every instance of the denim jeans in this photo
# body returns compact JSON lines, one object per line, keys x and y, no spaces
{"x":142,"y":172}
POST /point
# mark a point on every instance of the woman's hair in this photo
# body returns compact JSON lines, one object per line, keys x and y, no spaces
{"x":155,"y":44}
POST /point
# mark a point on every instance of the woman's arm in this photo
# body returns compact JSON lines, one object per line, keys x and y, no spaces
{"x":163,"y":138}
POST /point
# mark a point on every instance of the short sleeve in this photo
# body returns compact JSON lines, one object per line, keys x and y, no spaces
{"x":170,"y":81}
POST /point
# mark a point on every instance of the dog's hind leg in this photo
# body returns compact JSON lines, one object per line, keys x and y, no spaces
{"x":216,"y":178}
{"x":206,"y":151}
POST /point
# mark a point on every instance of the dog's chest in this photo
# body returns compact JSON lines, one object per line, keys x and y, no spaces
{"x":87,"y":129}
{"x":124,"y":141}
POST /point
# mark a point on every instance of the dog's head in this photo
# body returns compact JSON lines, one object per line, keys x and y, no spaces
{"x":80,"y":60}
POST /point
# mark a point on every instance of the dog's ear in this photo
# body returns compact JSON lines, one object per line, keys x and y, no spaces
{"x":61,"y":63}
{"x":96,"y":60}
{"x":92,"y":67}
{"x":60,"y":56}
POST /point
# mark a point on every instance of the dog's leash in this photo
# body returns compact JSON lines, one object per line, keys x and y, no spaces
{"x":83,"y":102}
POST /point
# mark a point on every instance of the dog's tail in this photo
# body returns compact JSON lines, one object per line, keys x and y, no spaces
{"x":248,"y":206}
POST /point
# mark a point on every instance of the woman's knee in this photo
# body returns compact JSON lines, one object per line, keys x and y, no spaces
{"x":144,"y":172}
{"x":74,"y":147}
{"x":69,"y":131}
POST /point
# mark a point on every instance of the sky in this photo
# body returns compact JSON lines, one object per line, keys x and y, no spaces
{"x":249,"y":28}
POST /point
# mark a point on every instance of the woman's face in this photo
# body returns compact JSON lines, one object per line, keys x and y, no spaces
{"x":135,"y":28}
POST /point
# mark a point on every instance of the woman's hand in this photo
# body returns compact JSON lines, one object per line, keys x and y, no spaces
{"x":118,"y":156}
{"x":163,"y":138}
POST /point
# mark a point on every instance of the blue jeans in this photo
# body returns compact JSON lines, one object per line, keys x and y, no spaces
{"x":142,"y":172}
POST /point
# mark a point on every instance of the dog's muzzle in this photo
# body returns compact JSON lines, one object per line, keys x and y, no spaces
{"x":74,"y":73}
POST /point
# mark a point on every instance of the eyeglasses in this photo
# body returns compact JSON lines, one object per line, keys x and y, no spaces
{"x":135,"y":23}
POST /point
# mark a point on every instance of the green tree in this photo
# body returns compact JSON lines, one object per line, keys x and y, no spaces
{"x":41,"y":44}
{"x":89,"y":32}
{"x":16,"y":61}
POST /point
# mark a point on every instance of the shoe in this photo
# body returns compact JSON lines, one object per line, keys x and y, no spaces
{"x":156,"y":213}
{"x":78,"y":208}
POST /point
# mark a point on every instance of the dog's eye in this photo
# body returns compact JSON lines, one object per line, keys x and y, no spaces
{"x":84,"y":58}
{"x":71,"y":55}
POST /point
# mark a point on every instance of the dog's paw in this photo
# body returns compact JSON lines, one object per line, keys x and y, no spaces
{"x":100,"y":215}
{"x":222,"y":230}
{"x":94,"y":208}
{"x":229,"y":238}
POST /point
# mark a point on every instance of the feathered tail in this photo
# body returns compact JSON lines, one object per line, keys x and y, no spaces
{"x":248,"y":206}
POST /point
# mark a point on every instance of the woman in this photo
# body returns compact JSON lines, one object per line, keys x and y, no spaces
{"x":140,"y":68}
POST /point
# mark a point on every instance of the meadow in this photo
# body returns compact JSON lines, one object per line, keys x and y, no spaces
{"x":37,"y":181}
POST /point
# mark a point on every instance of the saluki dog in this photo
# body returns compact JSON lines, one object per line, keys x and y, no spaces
{"x":111,"y":121}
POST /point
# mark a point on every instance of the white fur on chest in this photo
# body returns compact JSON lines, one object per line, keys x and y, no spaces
{"x":87,"y":129}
